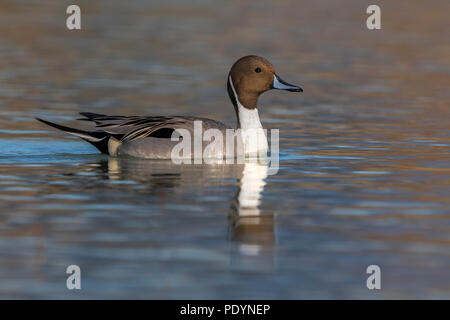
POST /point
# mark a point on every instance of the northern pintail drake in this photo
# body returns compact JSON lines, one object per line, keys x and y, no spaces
{"x":151,"y":136}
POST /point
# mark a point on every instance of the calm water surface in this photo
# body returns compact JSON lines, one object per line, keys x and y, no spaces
{"x":364,"y":168}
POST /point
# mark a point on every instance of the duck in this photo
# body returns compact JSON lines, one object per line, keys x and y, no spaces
{"x":152,"y":137}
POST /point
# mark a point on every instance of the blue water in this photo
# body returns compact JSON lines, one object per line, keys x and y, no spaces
{"x":364,"y":153}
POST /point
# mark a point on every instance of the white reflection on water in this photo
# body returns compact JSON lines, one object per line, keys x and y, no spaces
{"x":251,"y":228}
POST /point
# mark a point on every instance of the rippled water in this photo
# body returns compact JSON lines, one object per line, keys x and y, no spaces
{"x":364,"y":168}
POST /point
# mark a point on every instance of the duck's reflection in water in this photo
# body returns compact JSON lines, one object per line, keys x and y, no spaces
{"x":250,"y":230}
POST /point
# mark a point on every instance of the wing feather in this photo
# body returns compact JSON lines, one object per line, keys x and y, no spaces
{"x":137,"y":127}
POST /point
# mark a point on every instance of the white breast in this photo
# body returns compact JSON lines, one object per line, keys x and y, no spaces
{"x":252,"y":132}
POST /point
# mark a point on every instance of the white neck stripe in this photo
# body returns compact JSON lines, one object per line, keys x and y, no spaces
{"x":234,"y":91}
{"x":251,"y":127}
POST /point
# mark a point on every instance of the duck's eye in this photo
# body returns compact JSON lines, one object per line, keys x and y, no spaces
{"x":258,"y":70}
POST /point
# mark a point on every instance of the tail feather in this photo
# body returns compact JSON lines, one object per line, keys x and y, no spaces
{"x":98,"y":139}
{"x":90,"y":116}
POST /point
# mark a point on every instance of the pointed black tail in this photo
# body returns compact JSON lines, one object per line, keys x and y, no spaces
{"x":98,"y":139}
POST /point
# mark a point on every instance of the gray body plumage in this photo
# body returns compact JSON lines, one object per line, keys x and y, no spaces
{"x":147,"y":136}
